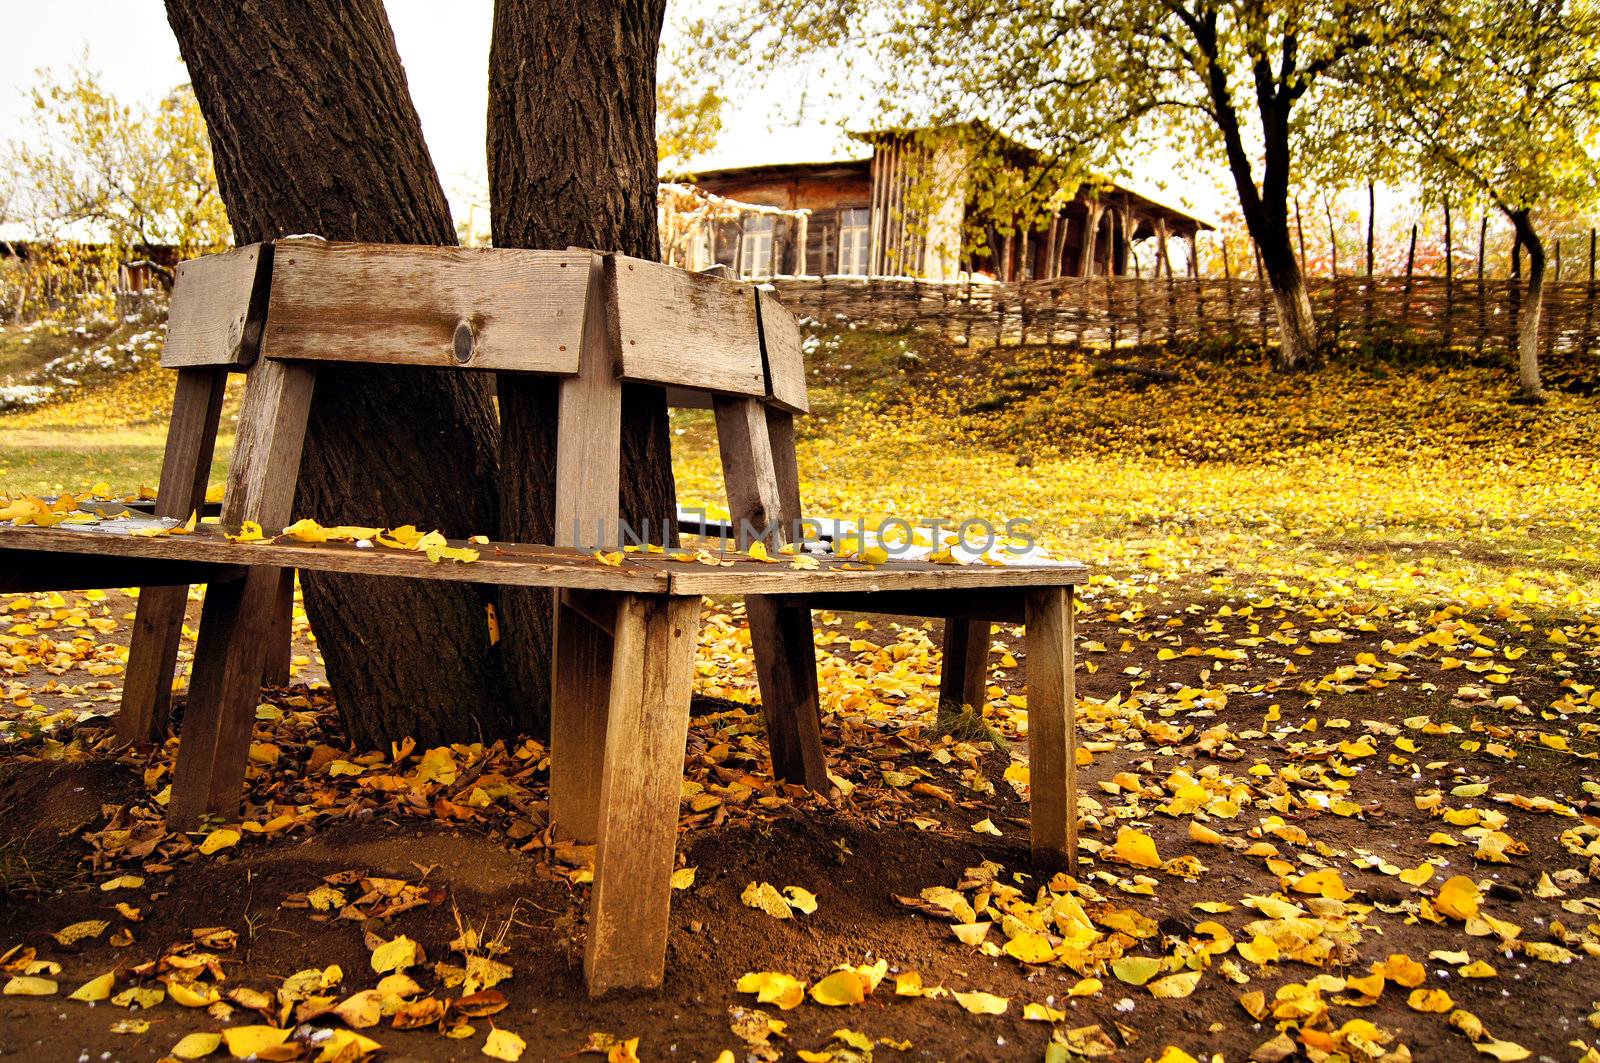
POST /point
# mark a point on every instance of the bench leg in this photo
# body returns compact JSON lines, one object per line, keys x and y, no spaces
{"x":786,"y":669}
{"x":579,"y":700}
{"x":152,"y":663}
{"x":223,"y":692}
{"x":964,"y":677}
{"x":652,"y":677}
{"x":1052,"y":731}
{"x":275,"y":665}
{"x":158,"y":621}
{"x":235,"y":622}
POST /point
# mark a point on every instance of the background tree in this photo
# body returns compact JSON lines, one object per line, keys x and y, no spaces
{"x":314,"y":131}
{"x":1093,"y":80}
{"x":1498,"y":105}
{"x":572,"y":162}
{"x":125,"y":174}
{"x":688,"y":121}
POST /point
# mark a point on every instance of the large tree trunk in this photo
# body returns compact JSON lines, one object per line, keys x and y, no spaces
{"x":572,"y":162}
{"x":1297,"y":327}
{"x":314,"y":131}
{"x":1532,"y":305}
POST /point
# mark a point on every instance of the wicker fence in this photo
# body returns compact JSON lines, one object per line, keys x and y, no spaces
{"x":1473,"y":314}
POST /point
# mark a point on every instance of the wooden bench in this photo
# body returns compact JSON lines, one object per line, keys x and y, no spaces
{"x":626,"y":623}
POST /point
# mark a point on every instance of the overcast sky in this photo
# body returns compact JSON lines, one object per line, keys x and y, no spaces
{"x":445,"y":48}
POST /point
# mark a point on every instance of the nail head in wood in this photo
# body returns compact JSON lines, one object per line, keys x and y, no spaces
{"x":465,"y":343}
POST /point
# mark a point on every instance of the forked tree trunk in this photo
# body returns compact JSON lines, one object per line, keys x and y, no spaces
{"x":313,"y":131}
{"x":1532,"y":305}
{"x":572,"y":162}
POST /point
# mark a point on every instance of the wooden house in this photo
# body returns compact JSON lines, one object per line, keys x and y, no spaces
{"x":905,"y":205}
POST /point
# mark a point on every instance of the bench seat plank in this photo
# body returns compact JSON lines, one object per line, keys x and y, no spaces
{"x":515,"y":564}
{"x":26,"y":571}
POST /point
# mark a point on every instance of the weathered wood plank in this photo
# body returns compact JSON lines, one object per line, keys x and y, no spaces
{"x":266,"y":449}
{"x":784,"y":646}
{"x":158,"y":620}
{"x":782,"y":354}
{"x":506,"y":309}
{"x":964,"y":675}
{"x":237,"y":618}
{"x":276,"y":663}
{"x":652,"y":676}
{"x":688,"y":329}
{"x":785,"y":464}
{"x":26,"y":571}
{"x":579,"y":696}
{"x":218,"y":303}
{"x":748,"y":472}
{"x":524,"y":565}
{"x":589,"y":429}
{"x":1052,"y":728}
{"x":214,"y":745}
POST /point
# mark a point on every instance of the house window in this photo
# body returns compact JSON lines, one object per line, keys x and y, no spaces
{"x":755,"y":254}
{"x":853,"y":241}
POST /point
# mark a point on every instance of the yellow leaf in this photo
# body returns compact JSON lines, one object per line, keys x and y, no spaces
{"x":1417,"y":876}
{"x":88,"y":928}
{"x":342,"y":1045}
{"x":222,"y":838}
{"x":971,"y":933}
{"x":765,"y":897}
{"x":1477,"y":969}
{"x":771,"y":987}
{"x":95,"y":988}
{"x":249,"y":532}
{"x":1137,"y":970}
{"x":1175,"y":986}
{"x":683,"y":878}
{"x":503,"y":1044}
{"x":1326,"y":883}
{"x":27,"y":985}
{"x":1134,"y":847}
{"x":840,"y":988}
{"x":1458,"y":898}
{"x":1505,"y":1051}
{"x":1430,"y":1000}
{"x":395,"y":955}
{"x":140,"y":996}
{"x":361,"y":1011}
{"x":246,"y":1041}
{"x":192,"y":994}
{"x":1086,"y":987}
{"x":1402,"y":970}
{"x":981,"y":1003}
{"x":1030,"y":948}
{"x":802,"y":901}
{"x":1041,"y":1013}
{"x":197,"y":1045}
{"x":908,"y":984}
{"x":122,"y":882}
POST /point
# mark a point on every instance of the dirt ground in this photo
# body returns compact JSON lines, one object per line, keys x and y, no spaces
{"x":853,"y":856}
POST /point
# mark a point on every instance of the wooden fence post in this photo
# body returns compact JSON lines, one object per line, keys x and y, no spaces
{"x":1483,"y":299}
{"x":1449,"y":278}
{"x":1588,"y":301}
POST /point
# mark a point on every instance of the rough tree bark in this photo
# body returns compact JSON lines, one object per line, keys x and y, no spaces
{"x":572,"y":162}
{"x":1532,"y":304}
{"x":314,"y":131}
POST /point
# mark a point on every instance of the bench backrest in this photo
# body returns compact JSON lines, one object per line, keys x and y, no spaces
{"x":592,"y":320}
